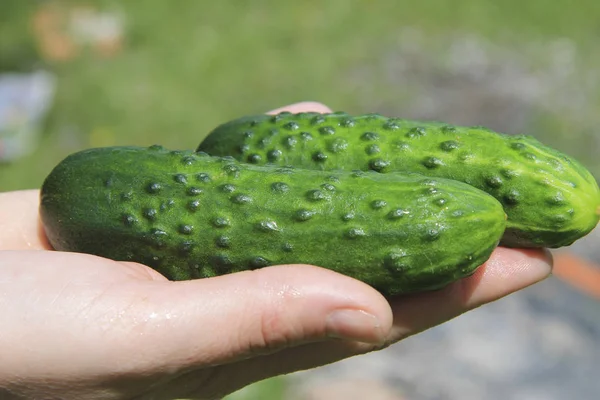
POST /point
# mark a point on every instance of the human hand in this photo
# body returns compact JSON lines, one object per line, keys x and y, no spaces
{"x":76,"y":326}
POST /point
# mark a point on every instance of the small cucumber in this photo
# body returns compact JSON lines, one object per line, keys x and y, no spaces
{"x":190,"y":215}
{"x":551,"y":200}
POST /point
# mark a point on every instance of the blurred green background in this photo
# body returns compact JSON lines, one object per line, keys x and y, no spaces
{"x":176,"y":70}
{"x":168,"y":72}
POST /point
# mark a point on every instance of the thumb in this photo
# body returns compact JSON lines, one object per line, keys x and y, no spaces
{"x":228,"y":318}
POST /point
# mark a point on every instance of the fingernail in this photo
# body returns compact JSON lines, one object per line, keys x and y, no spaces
{"x":354,"y":325}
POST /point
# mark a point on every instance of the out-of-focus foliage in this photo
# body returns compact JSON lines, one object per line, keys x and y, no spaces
{"x":178,"y":69}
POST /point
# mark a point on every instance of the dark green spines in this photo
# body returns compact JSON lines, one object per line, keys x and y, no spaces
{"x":550,"y":199}
{"x":398,"y":233}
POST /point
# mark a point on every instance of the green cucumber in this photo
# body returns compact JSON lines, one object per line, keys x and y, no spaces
{"x":551,"y":200}
{"x":190,"y":215}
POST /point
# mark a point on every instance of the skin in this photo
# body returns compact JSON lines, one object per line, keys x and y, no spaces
{"x":76,"y":326}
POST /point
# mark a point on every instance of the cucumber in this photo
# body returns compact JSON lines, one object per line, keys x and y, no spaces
{"x":190,"y":215}
{"x":550,"y":199}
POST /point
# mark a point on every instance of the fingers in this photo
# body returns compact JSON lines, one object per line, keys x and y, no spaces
{"x":234,"y":317}
{"x":282,"y":307}
{"x":507,"y":271}
{"x":20,"y":226}
{"x":251,"y":325}
{"x":116,"y":315}
{"x":305,"y":106}
{"x":300,"y":358}
{"x":228,"y":378}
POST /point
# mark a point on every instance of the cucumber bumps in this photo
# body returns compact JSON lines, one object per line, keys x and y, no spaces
{"x":551,"y":200}
{"x":193,"y":216}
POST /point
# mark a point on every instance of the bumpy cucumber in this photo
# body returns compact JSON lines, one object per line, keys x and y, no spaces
{"x":551,"y":200}
{"x":191,"y":216}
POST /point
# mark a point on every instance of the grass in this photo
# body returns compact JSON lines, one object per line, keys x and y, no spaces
{"x":187,"y":67}
{"x":270,"y":389}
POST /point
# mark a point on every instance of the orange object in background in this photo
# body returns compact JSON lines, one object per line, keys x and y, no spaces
{"x":61,"y":31}
{"x":582,"y":274}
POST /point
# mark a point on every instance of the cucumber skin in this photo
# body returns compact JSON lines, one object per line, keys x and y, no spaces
{"x":550,"y":199}
{"x":406,"y":234}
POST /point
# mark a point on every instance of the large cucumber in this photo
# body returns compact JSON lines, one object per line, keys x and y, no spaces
{"x":551,"y":200}
{"x":191,"y":215}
